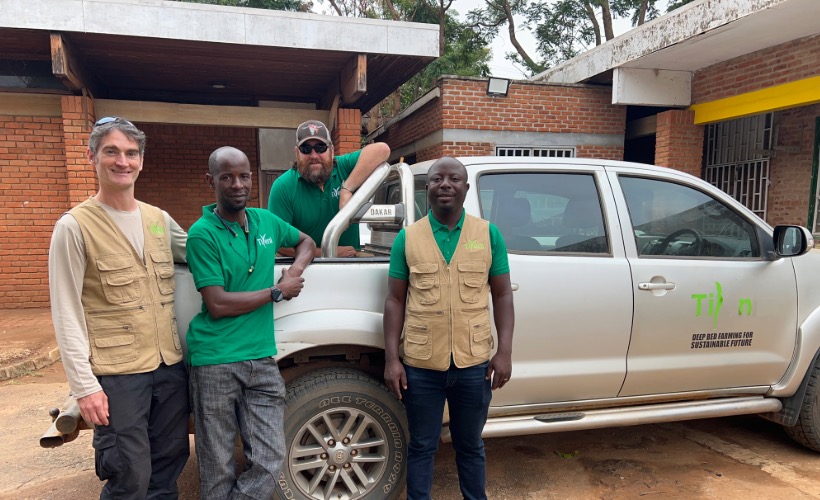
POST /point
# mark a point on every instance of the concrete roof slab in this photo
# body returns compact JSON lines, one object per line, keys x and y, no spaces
{"x":695,"y":36}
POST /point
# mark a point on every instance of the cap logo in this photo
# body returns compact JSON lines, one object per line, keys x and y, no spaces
{"x":314,"y":129}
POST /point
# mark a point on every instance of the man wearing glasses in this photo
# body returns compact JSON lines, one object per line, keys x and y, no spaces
{"x":311,"y":193}
{"x":111,"y":280}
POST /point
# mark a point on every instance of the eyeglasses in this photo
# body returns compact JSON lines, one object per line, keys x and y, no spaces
{"x":110,"y":119}
{"x":319,"y":147}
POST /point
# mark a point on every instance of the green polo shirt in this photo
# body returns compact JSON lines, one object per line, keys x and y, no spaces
{"x":310,"y":209}
{"x":217,"y":257}
{"x":448,"y":242}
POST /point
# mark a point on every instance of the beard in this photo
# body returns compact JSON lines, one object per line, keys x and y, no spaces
{"x":312,"y":172}
{"x":230,"y":205}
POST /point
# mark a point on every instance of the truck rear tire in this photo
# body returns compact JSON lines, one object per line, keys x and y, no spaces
{"x":807,"y":429}
{"x":345,"y":438}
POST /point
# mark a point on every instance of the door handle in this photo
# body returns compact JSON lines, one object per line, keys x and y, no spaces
{"x":656,"y":286}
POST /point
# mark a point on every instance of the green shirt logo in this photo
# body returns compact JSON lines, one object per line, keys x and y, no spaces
{"x":264,"y":240}
{"x":474,"y":245}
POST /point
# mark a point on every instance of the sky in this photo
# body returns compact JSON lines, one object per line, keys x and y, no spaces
{"x":500,"y":66}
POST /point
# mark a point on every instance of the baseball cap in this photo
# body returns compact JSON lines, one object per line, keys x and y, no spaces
{"x":313,"y":129}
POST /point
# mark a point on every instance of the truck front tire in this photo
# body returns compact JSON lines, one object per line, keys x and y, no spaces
{"x":345,"y":438}
{"x":807,"y":429}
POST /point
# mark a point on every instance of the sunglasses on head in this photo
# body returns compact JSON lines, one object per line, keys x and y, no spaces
{"x":319,"y":147}
{"x":110,"y":119}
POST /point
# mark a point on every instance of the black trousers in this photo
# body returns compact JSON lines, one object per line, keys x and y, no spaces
{"x":145,"y":446}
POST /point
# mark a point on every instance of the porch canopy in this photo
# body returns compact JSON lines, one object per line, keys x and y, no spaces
{"x":194,"y":54}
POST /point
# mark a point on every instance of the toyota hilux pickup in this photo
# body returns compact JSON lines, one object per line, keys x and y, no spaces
{"x":642,"y":295}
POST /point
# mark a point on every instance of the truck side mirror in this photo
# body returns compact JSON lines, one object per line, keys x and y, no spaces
{"x":792,"y":241}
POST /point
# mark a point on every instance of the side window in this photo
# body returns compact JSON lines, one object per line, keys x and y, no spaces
{"x":420,"y":194}
{"x":545,"y":212}
{"x":670,"y":219}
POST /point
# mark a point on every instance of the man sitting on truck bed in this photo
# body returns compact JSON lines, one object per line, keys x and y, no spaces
{"x":311,"y":193}
{"x":443,"y":270}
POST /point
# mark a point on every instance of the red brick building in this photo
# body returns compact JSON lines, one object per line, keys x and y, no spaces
{"x":458,"y":117}
{"x":725,"y":90}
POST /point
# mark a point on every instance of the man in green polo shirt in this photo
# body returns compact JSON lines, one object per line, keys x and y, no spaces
{"x":311,"y":193}
{"x":235,"y":382}
{"x":443,"y":271}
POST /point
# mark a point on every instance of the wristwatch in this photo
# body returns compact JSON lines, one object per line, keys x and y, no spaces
{"x":276,"y":294}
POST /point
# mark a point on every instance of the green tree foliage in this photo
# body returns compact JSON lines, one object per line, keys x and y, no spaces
{"x":676,"y":4}
{"x":562,"y":28}
{"x":466,"y":53}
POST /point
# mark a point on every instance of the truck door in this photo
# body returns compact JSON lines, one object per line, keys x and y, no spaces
{"x":710,"y":313}
{"x":573,"y":302}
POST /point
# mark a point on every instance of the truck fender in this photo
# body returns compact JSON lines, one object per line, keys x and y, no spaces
{"x":793,"y":405}
{"x":792,"y":387}
{"x":805,"y":355}
{"x":303,"y":330}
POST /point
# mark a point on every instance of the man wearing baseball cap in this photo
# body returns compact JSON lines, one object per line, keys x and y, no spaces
{"x":311,"y":193}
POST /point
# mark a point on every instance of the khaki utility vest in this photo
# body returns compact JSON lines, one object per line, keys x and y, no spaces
{"x":128,"y":300}
{"x":448,"y":306}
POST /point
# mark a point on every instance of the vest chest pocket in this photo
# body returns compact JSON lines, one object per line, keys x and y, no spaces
{"x":424,"y":280}
{"x":119,"y":279}
{"x":472,"y":278}
{"x":164,"y":269}
{"x":418,"y":343}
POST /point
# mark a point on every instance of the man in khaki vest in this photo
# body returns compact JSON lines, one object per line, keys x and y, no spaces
{"x":111,"y":278}
{"x":443,"y":270}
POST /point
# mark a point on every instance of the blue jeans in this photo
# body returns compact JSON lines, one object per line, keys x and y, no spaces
{"x":248,"y":397}
{"x":468,"y":395}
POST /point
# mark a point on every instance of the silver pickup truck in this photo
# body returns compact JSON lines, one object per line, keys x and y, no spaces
{"x":642,"y":294}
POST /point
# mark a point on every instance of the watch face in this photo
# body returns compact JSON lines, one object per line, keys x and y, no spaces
{"x":276,"y":294}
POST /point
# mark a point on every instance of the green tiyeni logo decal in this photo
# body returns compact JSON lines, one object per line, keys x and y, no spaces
{"x":156,"y":229}
{"x":714,"y":301}
{"x":474,"y":245}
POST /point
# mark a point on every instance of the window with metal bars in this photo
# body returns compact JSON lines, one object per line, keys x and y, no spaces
{"x":737,"y":159}
{"x":535,"y":152}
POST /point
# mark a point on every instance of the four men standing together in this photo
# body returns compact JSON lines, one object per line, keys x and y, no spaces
{"x":111,"y":278}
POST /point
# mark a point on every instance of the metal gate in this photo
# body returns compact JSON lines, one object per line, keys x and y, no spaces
{"x":737,"y":159}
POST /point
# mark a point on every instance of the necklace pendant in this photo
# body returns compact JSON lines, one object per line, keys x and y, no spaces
{"x":250,"y":270}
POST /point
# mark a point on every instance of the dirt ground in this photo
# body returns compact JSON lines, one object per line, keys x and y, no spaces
{"x":734,"y":458}
{"x":25,"y":334}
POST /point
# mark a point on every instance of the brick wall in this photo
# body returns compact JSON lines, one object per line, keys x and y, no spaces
{"x":784,"y":63}
{"x":77,"y":120}
{"x":423,"y":122}
{"x":34,"y":194}
{"x":176,"y":161}
{"x":529,"y":107}
{"x":347,"y":136}
{"x":790,"y":171}
{"x":679,"y":142}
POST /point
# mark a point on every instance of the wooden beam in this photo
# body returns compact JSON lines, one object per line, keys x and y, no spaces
{"x":30,"y":104}
{"x":67,"y":67}
{"x":334,"y":113}
{"x":354,"y":79}
{"x":196,"y":114}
